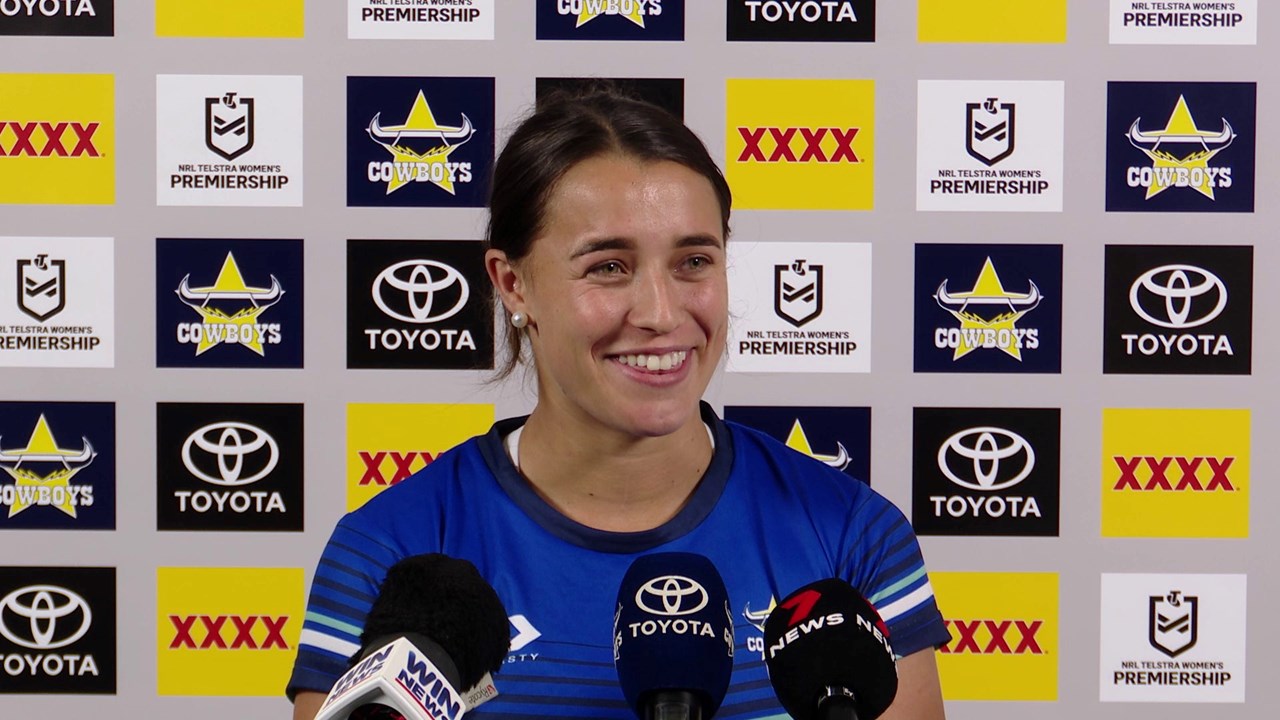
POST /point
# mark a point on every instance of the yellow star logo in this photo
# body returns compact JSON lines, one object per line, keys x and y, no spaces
{"x":977,"y":331}
{"x":230,"y":285}
{"x":592,"y":9}
{"x":1170,"y":169}
{"x":42,"y":448}
{"x":798,"y":441}
{"x":430,"y":165}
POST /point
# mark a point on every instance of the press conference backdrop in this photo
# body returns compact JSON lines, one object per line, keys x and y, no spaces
{"x":997,"y":258}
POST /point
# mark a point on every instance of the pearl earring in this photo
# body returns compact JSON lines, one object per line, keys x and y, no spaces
{"x":519,"y":319}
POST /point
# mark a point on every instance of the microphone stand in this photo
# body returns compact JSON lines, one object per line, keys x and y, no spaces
{"x":672,"y":705}
{"x":837,"y":703}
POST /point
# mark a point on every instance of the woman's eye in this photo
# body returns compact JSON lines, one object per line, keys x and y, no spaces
{"x":612,"y":267}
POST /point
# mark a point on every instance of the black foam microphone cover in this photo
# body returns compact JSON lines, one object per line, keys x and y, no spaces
{"x":446,"y":600}
{"x":673,"y":632}
{"x":826,"y":637}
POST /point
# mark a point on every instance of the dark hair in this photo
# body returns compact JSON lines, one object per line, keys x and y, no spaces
{"x":566,"y":129}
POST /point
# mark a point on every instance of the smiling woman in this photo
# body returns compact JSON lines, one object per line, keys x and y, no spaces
{"x":607,"y":250}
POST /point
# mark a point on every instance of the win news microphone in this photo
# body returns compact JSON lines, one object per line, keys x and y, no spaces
{"x":433,"y":635}
{"x":828,"y":654}
{"x":673,"y":637}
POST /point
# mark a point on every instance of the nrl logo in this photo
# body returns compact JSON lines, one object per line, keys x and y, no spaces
{"x":1173,"y":622}
{"x":990,"y":135}
{"x":42,"y":287}
{"x":228,"y":125}
{"x":797,"y":292}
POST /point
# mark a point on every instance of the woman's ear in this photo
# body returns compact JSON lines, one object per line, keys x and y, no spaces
{"x":507,"y":280}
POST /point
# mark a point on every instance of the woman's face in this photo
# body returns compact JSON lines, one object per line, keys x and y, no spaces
{"x":626,"y":294}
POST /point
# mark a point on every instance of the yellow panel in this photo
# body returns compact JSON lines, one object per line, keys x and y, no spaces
{"x":229,"y":18}
{"x":244,"y":624}
{"x":57,"y":143}
{"x":770,"y":163}
{"x":1004,"y":635}
{"x":993,"y":21}
{"x":385,"y":442}
{"x":1175,"y":493}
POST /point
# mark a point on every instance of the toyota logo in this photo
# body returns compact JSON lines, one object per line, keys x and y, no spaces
{"x":672,"y":596}
{"x":987,"y":448}
{"x":1178,"y":286}
{"x":422,"y":284}
{"x":226,"y":442}
{"x":44,"y":606}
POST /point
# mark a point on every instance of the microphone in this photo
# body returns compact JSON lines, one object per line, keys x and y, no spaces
{"x":828,"y":654}
{"x":673,"y":637}
{"x":433,"y":635}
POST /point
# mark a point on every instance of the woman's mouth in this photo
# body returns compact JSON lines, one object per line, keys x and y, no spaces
{"x":655,"y":363}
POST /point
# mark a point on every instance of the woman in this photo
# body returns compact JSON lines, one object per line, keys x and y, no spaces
{"x":607,"y":249}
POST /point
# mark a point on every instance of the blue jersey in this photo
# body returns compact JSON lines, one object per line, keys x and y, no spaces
{"x":769,"y":518}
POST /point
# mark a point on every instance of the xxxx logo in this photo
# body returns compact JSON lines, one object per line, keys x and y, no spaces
{"x":47,"y":139}
{"x":813,"y":142}
{"x":403,"y":463}
{"x":1158,"y":473}
{"x":215,"y":629}
{"x":991,"y":637}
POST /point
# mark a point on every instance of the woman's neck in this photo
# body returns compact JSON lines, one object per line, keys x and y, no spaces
{"x":609,"y":480}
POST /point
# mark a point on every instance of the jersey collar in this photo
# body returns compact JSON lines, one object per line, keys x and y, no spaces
{"x":700,"y":504}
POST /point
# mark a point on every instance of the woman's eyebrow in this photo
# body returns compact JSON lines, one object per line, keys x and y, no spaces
{"x":601,"y":245}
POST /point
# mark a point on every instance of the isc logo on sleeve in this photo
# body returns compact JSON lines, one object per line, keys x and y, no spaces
{"x":57,"y":139}
{"x":227,"y":631}
{"x":388,"y":442}
{"x":1004,"y":635}
{"x":1175,"y":473}
{"x":801,"y":144}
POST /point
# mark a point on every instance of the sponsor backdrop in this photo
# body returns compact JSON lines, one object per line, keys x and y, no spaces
{"x":997,"y":258}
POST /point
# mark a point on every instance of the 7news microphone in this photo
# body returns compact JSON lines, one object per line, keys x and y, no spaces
{"x":673,"y":637}
{"x":828,"y":654}
{"x":434,"y":633}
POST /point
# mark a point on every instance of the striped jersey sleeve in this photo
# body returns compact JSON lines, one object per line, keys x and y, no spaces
{"x":888,"y":567}
{"x":346,"y":582}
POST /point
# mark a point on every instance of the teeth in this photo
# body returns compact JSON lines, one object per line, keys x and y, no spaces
{"x":655,"y":363}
